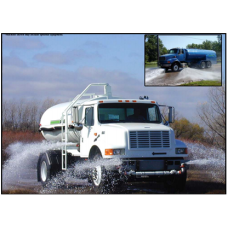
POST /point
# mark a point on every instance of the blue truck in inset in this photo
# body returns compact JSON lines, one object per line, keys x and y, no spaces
{"x":193,"y":57}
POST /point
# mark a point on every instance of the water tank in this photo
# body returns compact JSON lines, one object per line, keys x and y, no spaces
{"x":51,"y":124}
{"x":199,"y":54}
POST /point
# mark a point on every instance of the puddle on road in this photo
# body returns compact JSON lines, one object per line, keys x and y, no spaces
{"x":159,"y":77}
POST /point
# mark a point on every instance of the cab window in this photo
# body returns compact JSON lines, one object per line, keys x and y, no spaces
{"x":89,"y":118}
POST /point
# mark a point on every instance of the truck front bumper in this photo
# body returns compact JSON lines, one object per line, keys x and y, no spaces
{"x":165,"y":65}
{"x":148,"y":168}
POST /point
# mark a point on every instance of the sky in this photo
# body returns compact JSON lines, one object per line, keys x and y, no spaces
{"x":36,"y":67}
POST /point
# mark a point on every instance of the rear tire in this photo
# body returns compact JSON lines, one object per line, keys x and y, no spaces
{"x":46,"y":171}
{"x":208,"y":65}
{"x":202,"y":65}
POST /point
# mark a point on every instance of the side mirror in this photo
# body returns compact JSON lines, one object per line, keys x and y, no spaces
{"x":171,"y":114}
{"x":78,"y":126}
{"x":75,"y":118}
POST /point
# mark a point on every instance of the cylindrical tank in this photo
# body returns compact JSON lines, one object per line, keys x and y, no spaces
{"x":199,"y":54}
{"x":51,"y":124}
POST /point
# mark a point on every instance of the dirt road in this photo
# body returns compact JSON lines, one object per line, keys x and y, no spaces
{"x":198,"y":182}
{"x":157,"y":76}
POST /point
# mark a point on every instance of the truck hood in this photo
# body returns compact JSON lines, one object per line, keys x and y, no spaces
{"x":168,"y":56}
{"x":138,"y":126}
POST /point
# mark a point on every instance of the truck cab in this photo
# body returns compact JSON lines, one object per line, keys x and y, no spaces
{"x":173,"y":60}
{"x":133,"y":131}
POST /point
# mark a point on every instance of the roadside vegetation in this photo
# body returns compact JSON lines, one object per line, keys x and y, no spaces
{"x":203,"y":83}
{"x":151,"y":64}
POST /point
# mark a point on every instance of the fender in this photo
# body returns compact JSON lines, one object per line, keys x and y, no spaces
{"x":93,"y":150}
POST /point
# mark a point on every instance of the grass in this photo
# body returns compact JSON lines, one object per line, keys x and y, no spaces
{"x":151,"y":64}
{"x":203,"y":83}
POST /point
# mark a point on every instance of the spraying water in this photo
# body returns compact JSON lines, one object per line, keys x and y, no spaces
{"x":24,"y":157}
{"x":210,"y":159}
{"x":152,"y":74}
{"x":23,"y":163}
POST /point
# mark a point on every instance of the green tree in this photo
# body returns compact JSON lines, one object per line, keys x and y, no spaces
{"x":151,"y":48}
{"x":183,"y":128}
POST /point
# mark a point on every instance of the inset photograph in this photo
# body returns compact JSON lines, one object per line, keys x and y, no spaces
{"x":183,"y":60}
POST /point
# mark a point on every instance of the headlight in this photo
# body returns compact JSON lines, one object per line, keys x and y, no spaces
{"x":114,"y":152}
{"x":181,"y":150}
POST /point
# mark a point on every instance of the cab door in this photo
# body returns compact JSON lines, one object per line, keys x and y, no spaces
{"x":87,"y":133}
{"x":181,"y":55}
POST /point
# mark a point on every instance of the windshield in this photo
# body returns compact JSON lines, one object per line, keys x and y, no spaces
{"x":173,"y":51}
{"x":128,"y":112}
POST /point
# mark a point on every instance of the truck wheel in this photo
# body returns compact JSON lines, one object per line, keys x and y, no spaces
{"x":202,"y":65}
{"x":208,"y":64}
{"x":98,"y":176}
{"x":175,"y":67}
{"x":46,"y":171}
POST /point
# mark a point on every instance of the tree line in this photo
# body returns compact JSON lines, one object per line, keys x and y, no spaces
{"x":24,"y":115}
{"x":209,"y":45}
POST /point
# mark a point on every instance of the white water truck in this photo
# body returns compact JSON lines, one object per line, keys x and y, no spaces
{"x":105,"y":127}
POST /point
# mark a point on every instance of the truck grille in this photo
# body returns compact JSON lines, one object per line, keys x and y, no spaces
{"x":149,"y":139}
{"x":161,"y":58}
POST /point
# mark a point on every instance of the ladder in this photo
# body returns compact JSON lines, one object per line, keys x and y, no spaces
{"x":64,"y":118}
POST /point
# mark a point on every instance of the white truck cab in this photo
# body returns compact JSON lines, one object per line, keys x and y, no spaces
{"x":105,"y":127}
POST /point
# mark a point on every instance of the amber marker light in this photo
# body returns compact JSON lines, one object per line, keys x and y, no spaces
{"x":134,"y":101}
{"x":127,"y":101}
{"x":119,"y":100}
{"x":95,"y":134}
{"x":100,"y":101}
{"x":108,"y":151}
{"x":153,"y":102}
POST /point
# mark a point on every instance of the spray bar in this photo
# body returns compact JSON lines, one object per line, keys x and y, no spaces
{"x":155,"y":173}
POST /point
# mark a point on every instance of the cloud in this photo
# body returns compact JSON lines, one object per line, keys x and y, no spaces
{"x":94,"y":44}
{"x":67,"y":57}
{"x":40,"y":83}
{"x":22,"y":42}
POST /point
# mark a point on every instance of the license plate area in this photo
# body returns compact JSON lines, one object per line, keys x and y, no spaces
{"x":151,"y":165}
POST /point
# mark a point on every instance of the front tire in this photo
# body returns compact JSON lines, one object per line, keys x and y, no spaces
{"x":98,"y":175}
{"x":175,"y":67}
